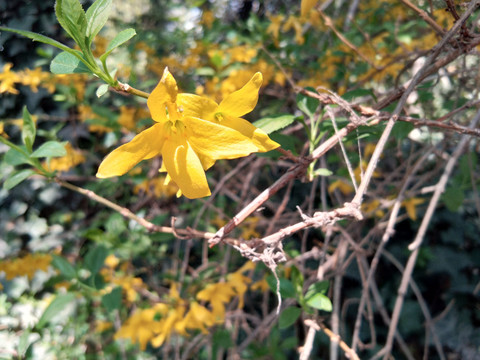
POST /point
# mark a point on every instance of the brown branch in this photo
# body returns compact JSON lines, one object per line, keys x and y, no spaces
{"x":187,"y":233}
{"x":349,"y":352}
{"x":423,"y":14}
{"x":329,"y":24}
{"x":293,"y":173}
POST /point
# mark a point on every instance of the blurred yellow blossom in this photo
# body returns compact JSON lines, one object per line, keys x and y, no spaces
{"x":8,"y":79}
{"x":27,"y":265}
{"x":130,"y":285}
{"x":261,"y":285}
{"x":208,"y":17}
{"x":274,"y":27}
{"x":372,"y":207}
{"x":411,"y":206}
{"x":198,"y":317}
{"x":101,"y":326}
{"x":65,"y":163}
{"x":306,"y":6}
{"x":35,"y":78}
{"x":157,"y":187}
{"x":141,"y":327}
{"x":344,"y":187}
{"x":294,"y":22}
{"x":156,"y":324}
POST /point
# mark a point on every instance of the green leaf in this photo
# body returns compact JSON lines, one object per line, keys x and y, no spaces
{"x":16,"y":178}
{"x":72,"y":18}
{"x":64,"y":266}
{"x":40,"y":38}
{"x":287,"y":290}
{"x":57,"y":305}
{"x":453,"y":198}
{"x":320,"y":302}
{"x":28,"y":130}
{"x":15,"y":158}
{"x":308,"y":104}
{"x":95,"y":258}
{"x":288,"y":317}
{"x":113,"y":299}
{"x":274,"y":123}
{"x":297,"y":279}
{"x":97,"y":15}
{"x":316,"y":298}
{"x":50,"y":149}
{"x":351,"y":95}
{"x":66,"y":63}
{"x":23,"y":343}
{"x":122,"y":37}
{"x":102,"y":89}
{"x":322,"y":172}
{"x":320,"y":287}
{"x":205,"y":71}
{"x":401,"y":129}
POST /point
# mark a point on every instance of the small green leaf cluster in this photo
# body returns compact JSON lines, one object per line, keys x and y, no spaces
{"x":82,"y":27}
{"x":18,"y":156}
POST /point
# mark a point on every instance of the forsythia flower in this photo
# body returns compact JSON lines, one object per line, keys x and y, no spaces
{"x":191,"y":133}
{"x":27,"y":265}
{"x":8,"y":79}
{"x":411,"y":206}
{"x":65,"y":163}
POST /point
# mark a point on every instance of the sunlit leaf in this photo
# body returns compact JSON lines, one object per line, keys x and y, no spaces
{"x":57,"y":305}
{"x":121,"y":38}
{"x":97,"y":15}
{"x":16,"y":178}
{"x":274,"y":123}
{"x":50,"y":149}
{"x":66,"y":63}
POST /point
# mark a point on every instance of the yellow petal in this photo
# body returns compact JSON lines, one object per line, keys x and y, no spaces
{"x":259,"y":138}
{"x":184,"y":167}
{"x":192,"y":105}
{"x":145,"y":145}
{"x":217,"y":141}
{"x":306,"y":6}
{"x":165,"y":92}
{"x":242,"y":101}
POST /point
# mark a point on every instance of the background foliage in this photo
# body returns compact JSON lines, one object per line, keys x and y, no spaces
{"x":80,"y":280}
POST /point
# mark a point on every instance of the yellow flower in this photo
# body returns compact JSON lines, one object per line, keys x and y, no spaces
{"x":294,"y":23}
{"x":411,"y":206}
{"x":141,"y":326}
{"x":261,"y":285}
{"x":373,"y":208}
{"x":306,"y":6}
{"x":35,"y":78}
{"x":208,"y":18}
{"x":343,"y":186}
{"x":157,"y":187}
{"x":239,"y":282}
{"x":112,"y":261}
{"x":65,"y":163}
{"x":218,"y":295}
{"x":102,"y":326}
{"x":190,"y":133}
{"x":274,"y":27}
{"x":8,"y":79}
{"x":198,"y":317}
{"x":27,"y":265}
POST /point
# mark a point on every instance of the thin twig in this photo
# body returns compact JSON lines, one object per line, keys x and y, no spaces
{"x":415,"y":245}
{"x":349,"y":352}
